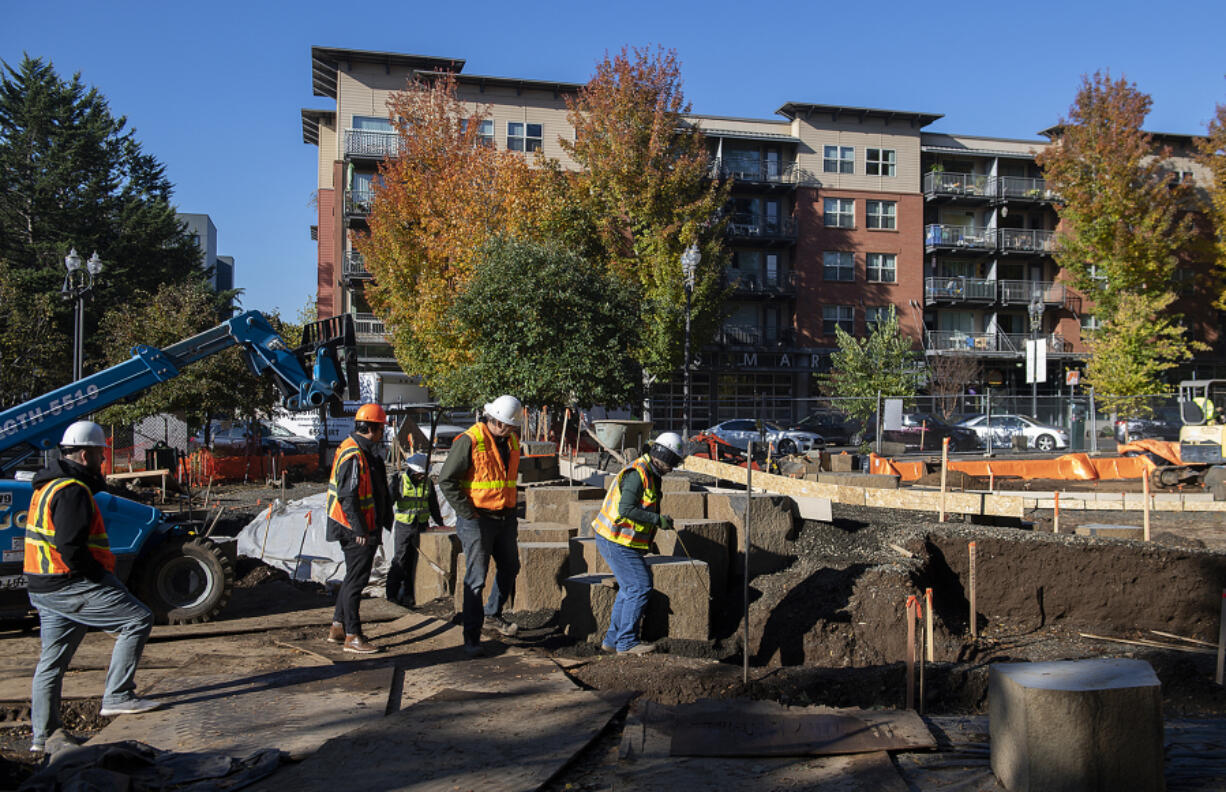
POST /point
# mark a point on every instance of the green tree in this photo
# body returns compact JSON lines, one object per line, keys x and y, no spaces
{"x":1122,"y":226}
{"x":645,"y":184}
{"x":884,"y":363}
{"x":32,"y":359}
{"x":1211,"y":153}
{"x":1129,"y":354}
{"x":74,"y":176}
{"x":544,"y":324}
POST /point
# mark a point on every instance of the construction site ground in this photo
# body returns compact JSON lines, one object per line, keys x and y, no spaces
{"x":828,"y":629}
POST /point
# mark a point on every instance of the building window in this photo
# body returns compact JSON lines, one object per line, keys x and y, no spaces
{"x":880,"y":162}
{"x":839,"y":159}
{"x":880,"y":214}
{"x":372,"y":124}
{"x":485,"y":133}
{"x":1090,"y":322}
{"x":838,"y":265}
{"x":875,"y":315}
{"x":524,"y":137}
{"x":842,"y":316}
{"x":839,"y":212}
{"x":881,"y":268}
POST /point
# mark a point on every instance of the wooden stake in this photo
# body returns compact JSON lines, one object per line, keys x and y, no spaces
{"x":562,"y":437}
{"x":1055,"y":520}
{"x":929,"y":654}
{"x":991,"y":478}
{"x":944,"y":471}
{"x":974,"y":610}
{"x":748,"y":504}
{"x":1221,"y":642}
{"x":1145,"y":507}
{"x":910,"y":660}
{"x":267,"y":528}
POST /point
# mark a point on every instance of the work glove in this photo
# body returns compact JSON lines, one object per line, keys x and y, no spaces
{"x":666,"y":522}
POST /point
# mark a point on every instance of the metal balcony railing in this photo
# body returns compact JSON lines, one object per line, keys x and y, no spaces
{"x":757,"y":171}
{"x":369,"y":327}
{"x":358,"y":201}
{"x":1027,"y":240}
{"x":1021,"y":188}
{"x":750,"y":226}
{"x":354,"y":266}
{"x":761,"y":282}
{"x":368,"y":143}
{"x":955,"y":237}
{"x":1024,"y":292}
{"x":975,"y":185}
{"x":990,"y":342}
{"x":959,"y":289}
{"x":746,"y":335}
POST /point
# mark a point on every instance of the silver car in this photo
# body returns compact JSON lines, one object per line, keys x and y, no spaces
{"x":740,"y":431}
{"x":1005,"y":427}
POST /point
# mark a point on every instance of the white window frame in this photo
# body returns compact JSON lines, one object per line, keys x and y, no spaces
{"x":839,"y":159}
{"x":485,"y":132}
{"x":839,"y":212}
{"x":881,"y":215}
{"x":880,"y":165}
{"x":838,"y":263}
{"x":874,"y":314}
{"x":875,"y":267}
{"x":519,"y":137}
{"x":838,"y":316}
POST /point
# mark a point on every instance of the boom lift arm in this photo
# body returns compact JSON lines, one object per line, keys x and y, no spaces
{"x":39,"y":423}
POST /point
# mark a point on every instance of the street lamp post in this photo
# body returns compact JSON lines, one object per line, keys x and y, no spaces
{"x":78,"y":283}
{"x":689,"y":267}
{"x":1035,"y":309}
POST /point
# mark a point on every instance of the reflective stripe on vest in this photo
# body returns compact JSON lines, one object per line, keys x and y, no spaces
{"x":489,"y":482}
{"x":41,"y":556}
{"x":623,"y":530}
{"x":413,"y":505}
{"x":366,"y":490}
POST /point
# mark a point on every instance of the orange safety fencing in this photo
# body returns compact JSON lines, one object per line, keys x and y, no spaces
{"x":202,"y":466}
{"x":1073,"y":467}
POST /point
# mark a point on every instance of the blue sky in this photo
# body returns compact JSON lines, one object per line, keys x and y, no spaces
{"x":214,"y":89}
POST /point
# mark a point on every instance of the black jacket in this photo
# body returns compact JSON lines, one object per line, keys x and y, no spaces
{"x":72,"y":509}
{"x":347,"y":494}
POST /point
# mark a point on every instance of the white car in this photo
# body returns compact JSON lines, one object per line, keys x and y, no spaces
{"x":739,"y":432}
{"x":1006,"y":426}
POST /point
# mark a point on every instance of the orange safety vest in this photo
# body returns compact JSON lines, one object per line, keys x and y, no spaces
{"x":366,"y":488}
{"x":41,"y":556}
{"x":623,"y":530}
{"x":489,"y":483}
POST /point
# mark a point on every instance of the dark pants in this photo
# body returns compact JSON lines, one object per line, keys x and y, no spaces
{"x":483,"y":538}
{"x":358,"y":561}
{"x":400,"y":574}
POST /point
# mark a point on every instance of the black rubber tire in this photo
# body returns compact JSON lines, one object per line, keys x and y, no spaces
{"x":1045,"y":442}
{"x":787,"y":446}
{"x":185,"y":580}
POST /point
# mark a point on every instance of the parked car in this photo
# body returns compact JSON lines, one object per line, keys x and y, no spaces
{"x":924,"y":432}
{"x":233,"y":438}
{"x":1005,"y":426}
{"x":740,"y":431}
{"x":834,"y":427}
{"x":1164,"y":425}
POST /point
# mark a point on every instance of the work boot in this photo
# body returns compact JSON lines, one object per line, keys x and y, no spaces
{"x":608,"y":648}
{"x":474,"y":650}
{"x":59,"y":740}
{"x":504,"y":626}
{"x":336,"y":633}
{"x":133,"y":706}
{"x":639,"y":649}
{"x":359,"y":645}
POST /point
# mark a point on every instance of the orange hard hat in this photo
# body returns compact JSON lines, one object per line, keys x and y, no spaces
{"x":371,"y":413}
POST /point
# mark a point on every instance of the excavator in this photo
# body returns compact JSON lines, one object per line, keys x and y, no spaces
{"x":181,"y":575}
{"x":1197,"y":457}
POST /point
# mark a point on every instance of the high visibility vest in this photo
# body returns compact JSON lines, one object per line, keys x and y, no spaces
{"x":620,"y":529}
{"x":350,"y":449}
{"x":413,"y":501}
{"x":41,"y":557}
{"x":1207,"y":408}
{"x":489,"y":482}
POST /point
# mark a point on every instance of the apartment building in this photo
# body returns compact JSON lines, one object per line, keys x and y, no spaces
{"x":838,"y":215}
{"x":220,"y":269}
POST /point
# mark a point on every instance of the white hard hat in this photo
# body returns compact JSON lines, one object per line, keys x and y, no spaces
{"x":672,"y":441}
{"x":417,"y":463}
{"x":505,"y":409}
{"x":84,"y":434}
{"x":668,"y":449}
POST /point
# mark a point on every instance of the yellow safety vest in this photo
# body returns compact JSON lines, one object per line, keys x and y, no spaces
{"x":620,"y":529}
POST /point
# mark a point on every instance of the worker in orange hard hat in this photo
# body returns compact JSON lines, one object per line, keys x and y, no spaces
{"x":359,"y":508}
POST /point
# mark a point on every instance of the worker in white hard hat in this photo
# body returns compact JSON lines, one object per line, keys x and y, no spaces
{"x":625,"y":527}
{"x":414,"y":503}
{"x":70,"y":573}
{"x":479,"y":480}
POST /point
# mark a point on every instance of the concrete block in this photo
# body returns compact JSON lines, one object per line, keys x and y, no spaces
{"x":684,"y":505}
{"x":808,"y":508}
{"x":533,"y":474}
{"x":1196,"y":497}
{"x":458,"y":596}
{"x":543,"y":568}
{"x":1167,"y":499}
{"x":773,"y":525}
{"x":441,"y":549}
{"x":552,"y":504}
{"x":709,"y":541}
{"x":678,"y":606}
{"x":587,"y":606}
{"x":892,"y":449}
{"x":674,"y":482}
{"x":842,"y":463}
{"x":874,"y":480}
{"x":585,"y":558}
{"x":546,"y":532}
{"x":1109,"y":531}
{"x":1076,"y":725}
{"x":581,"y":513}
{"x":539,"y":448}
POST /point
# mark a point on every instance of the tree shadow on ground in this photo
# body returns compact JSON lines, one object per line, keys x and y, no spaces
{"x":822,"y":597}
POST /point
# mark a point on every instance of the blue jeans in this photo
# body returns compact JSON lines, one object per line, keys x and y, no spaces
{"x":633,"y":588}
{"x":483,"y":538}
{"x":64,"y":617}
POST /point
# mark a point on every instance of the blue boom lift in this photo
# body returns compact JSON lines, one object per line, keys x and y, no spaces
{"x":182,"y":576}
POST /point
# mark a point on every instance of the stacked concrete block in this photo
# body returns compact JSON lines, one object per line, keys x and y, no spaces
{"x":543,"y":568}
{"x":538,"y":468}
{"x":434,"y":575}
{"x":552,"y":504}
{"x":1076,"y":724}
{"x":678,"y":606}
{"x":709,"y":541}
{"x":674,"y":482}
{"x":842,"y":463}
{"x":872,"y":480}
{"x":546,"y":532}
{"x":587,"y":606}
{"x":684,"y":505}
{"x":458,"y":594}
{"x":581,"y":514}
{"x":1108,"y":531}
{"x":585,"y":558}
{"x":773,"y":526}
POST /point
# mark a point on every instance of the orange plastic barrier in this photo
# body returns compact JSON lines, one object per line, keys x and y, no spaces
{"x":1071,"y":467}
{"x":1165,"y":449}
{"x":202,"y":466}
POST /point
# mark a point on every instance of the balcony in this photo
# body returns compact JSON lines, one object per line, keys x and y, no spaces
{"x":368,"y":144}
{"x":770,"y":229}
{"x":959,"y":289}
{"x":1020,"y":188}
{"x":740,"y":335}
{"x":369,"y":329}
{"x":755,"y":171}
{"x":769,"y":283}
{"x":358,"y":201}
{"x":353,"y":268}
{"x":1021,"y":292}
{"x":939,"y":184}
{"x":1027,"y":240}
{"x":959,"y":238}
{"x":990,"y":343}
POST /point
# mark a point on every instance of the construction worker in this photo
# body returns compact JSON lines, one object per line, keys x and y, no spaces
{"x":359,"y":509}
{"x":479,"y":480}
{"x":625,"y":527}
{"x":71,"y":576}
{"x":1207,"y":408}
{"x":414,"y":503}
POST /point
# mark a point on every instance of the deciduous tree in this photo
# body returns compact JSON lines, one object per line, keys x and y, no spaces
{"x":1211,"y":152}
{"x":884,"y":363}
{"x":949,"y":376}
